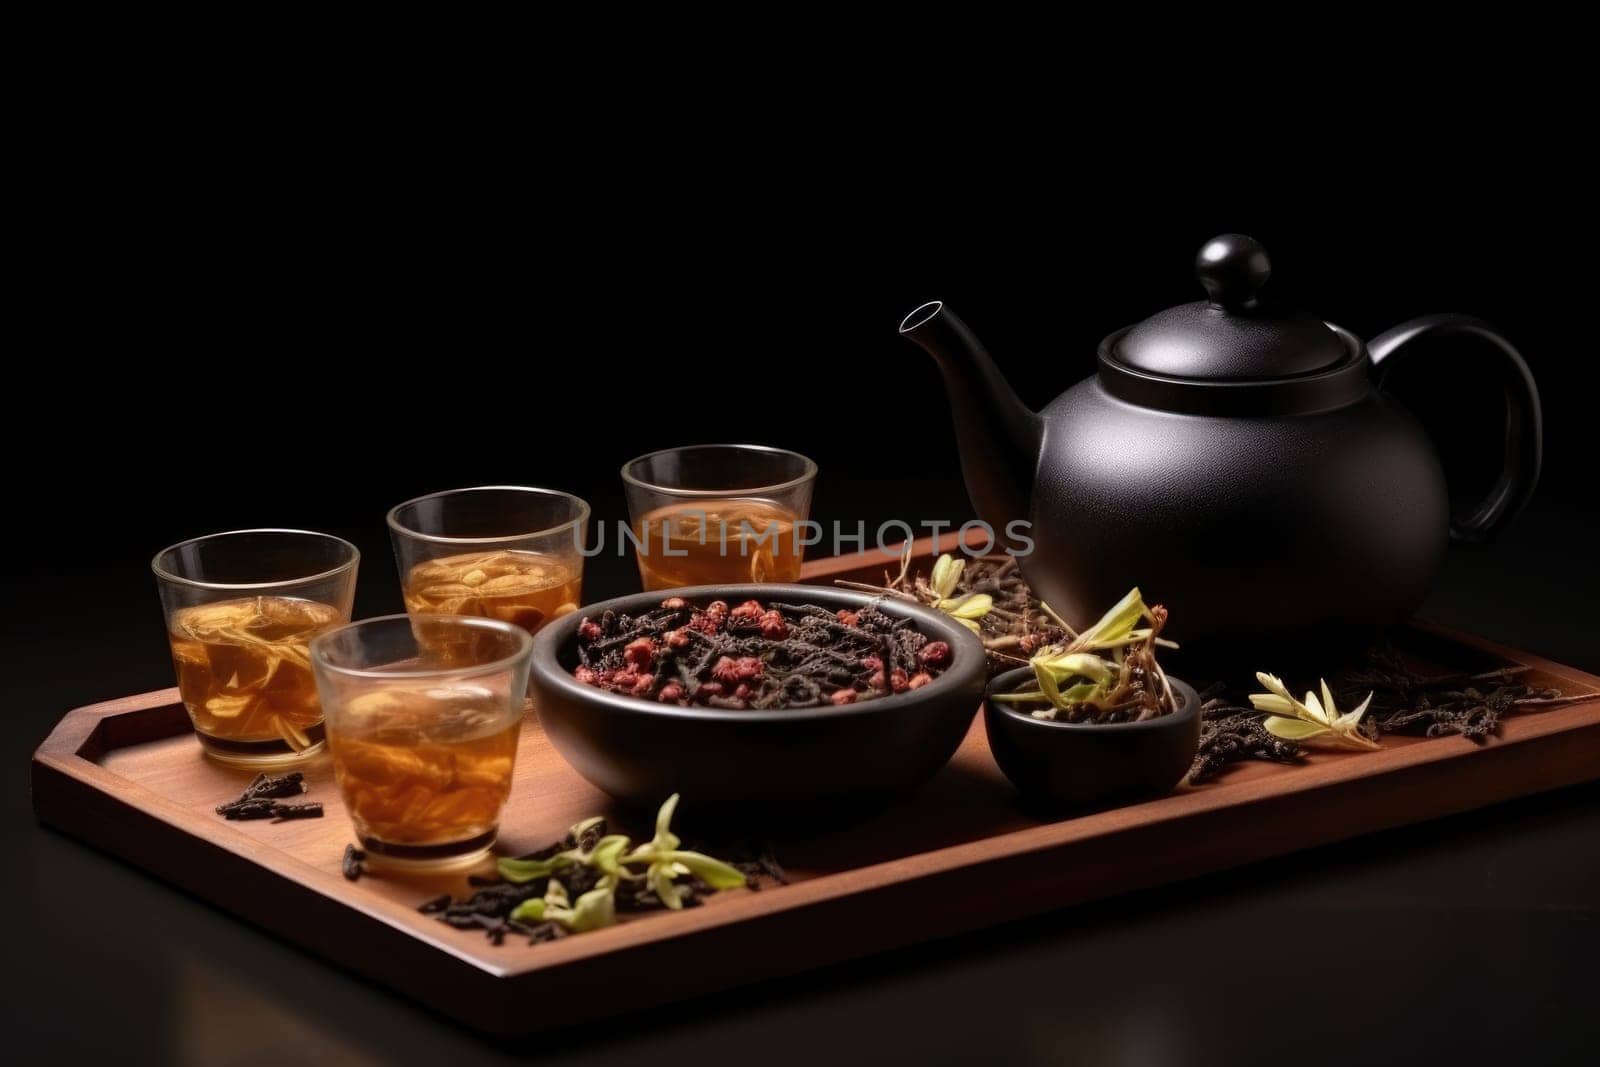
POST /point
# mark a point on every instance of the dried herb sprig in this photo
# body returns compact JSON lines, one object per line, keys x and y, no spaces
{"x":665,"y":860}
{"x":1128,"y":685}
{"x":987,"y":595}
{"x":966,"y":608}
{"x":1311,"y":721}
{"x":661,"y":857}
{"x":582,"y":882}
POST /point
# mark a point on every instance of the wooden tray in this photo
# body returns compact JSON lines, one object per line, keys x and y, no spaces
{"x":126,"y":776}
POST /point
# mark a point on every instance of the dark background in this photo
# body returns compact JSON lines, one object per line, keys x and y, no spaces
{"x":302,"y":349}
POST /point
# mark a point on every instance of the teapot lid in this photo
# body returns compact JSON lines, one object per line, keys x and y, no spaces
{"x":1235,"y":336}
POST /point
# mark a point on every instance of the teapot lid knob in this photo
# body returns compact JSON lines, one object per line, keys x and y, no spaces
{"x":1232,"y":267}
{"x":1238,"y":335}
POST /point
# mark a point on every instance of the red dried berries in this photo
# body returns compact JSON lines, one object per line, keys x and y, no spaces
{"x":641,"y":653}
{"x":749,"y":611}
{"x":710,"y":620}
{"x":732,"y":670}
{"x":755,"y":656}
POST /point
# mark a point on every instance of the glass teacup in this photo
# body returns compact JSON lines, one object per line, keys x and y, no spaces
{"x":716,"y":514}
{"x":423,"y":715}
{"x":241,"y":609}
{"x":500,"y":551}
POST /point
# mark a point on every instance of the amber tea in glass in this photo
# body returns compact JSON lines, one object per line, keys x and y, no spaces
{"x":713,"y":514}
{"x":714,"y":542}
{"x":499,"y":552}
{"x":241,"y":610}
{"x":423,"y":743}
{"x":243,"y":671}
{"x":525,"y":588}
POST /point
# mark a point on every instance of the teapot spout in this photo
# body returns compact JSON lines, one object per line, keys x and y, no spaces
{"x":998,"y":436}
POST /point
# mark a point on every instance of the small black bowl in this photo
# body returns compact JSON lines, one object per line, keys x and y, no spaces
{"x":792,"y":764}
{"x":1060,"y":765}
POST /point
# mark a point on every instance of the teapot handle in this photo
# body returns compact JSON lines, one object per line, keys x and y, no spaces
{"x":1524,"y":421}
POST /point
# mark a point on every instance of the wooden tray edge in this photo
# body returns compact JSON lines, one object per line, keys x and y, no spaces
{"x":884,"y":906}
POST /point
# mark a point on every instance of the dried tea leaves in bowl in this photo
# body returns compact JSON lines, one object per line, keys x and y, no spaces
{"x":756,"y":656}
{"x":1106,"y":674}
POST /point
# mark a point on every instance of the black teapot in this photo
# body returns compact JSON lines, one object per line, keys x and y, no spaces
{"x":1240,"y":462}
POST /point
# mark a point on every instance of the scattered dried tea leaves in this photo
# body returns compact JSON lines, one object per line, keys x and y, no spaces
{"x":583,"y":881}
{"x":1466,"y":705}
{"x":288,"y":812}
{"x":1230,"y":733}
{"x":260,"y":800}
{"x":1402,"y":701}
{"x":353,"y":865}
{"x":284,"y":785}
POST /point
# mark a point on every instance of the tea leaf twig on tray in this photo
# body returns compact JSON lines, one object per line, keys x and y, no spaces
{"x":582,"y":882}
{"x":987,"y":595}
{"x":1311,"y":721}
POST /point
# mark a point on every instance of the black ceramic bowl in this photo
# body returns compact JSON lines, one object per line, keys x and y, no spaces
{"x":798,"y":762}
{"x":1062,"y":765}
